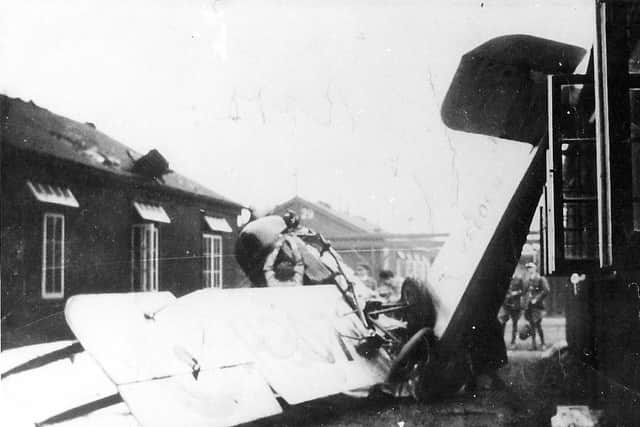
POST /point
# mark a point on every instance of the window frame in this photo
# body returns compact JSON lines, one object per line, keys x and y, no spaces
{"x":44,"y":293}
{"x":555,"y":202}
{"x":209,"y":272}
{"x":147,"y":261}
{"x":610,"y":187}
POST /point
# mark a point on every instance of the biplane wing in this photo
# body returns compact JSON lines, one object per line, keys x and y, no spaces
{"x":60,"y":383}
{"x":222,"y":357}
{"x":68,"y":388}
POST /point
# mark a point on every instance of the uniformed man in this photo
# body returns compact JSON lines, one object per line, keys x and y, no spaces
{"x":512,"y":307}
{"x":536,"y":290}
{"x":386,"y":286}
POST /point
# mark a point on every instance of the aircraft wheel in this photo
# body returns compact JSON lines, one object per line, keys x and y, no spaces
{"x":420,"y":312}
{"x":414,"y":355}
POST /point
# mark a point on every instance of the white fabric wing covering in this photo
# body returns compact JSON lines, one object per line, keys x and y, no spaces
{"x":202,"y":347}
{"x":34,"y":395}
{"x":218,"y":397}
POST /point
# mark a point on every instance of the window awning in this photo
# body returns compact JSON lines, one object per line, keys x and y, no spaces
{"x":53,"y":194}
{"x":218,"y":224}
{"x":155,"y":213}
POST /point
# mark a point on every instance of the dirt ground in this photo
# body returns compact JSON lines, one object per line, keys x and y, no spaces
{"x":536,"y":383}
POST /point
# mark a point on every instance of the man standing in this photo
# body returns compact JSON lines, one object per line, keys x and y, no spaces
{"x":363,"y":272}
{"x":511,"y":307}
{"x":386,"y":286}
{"x":536,"y":290}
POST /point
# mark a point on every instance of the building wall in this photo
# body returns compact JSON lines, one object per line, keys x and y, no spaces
{"x":317,"y":220}
{"x":356,"y":252}
{"x":404,"y":257}
{"x":97,"y":235}
{"x":410,"y":263}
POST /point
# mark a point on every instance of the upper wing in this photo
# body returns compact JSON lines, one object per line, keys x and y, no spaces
{"x":216,"y":357}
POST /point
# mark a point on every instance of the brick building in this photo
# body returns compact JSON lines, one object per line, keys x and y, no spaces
{"x":361,"y":242}
{"x":83,"y":213}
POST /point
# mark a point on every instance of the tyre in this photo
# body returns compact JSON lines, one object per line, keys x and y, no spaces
{"x":420,"y":311}
{"x":416,"y":350}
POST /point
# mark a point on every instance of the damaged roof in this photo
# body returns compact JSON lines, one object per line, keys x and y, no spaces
{"x":26,"y":126}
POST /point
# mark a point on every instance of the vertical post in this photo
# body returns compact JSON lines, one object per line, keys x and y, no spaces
{"x":602,"y":135}
{"x":552,"y":211}
{"x":372,"y":258}
{"x":542,"y":237}
{"x":611,"y":78}
{"x":156,"y":257}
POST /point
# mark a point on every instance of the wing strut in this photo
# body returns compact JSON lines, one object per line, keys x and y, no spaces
{"x":82,"y":410}
{"x":45,"y":359}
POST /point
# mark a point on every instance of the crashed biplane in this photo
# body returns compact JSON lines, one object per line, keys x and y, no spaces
{"x":229,"y":356}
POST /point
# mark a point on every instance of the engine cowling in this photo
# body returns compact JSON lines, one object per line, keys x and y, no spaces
{"x":258,"y":239}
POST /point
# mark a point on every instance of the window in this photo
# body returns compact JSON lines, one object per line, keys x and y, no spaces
{"x":144,"y":257}
{"x":573,"y":226}
{"x":400,"y":263}
{"x":53,"y":256}
{"x":411,"y":265}
{"x":212,"y":260}
{"x":578,"y":169}
{"x":425,"y":268}
{"x":572,"y":180}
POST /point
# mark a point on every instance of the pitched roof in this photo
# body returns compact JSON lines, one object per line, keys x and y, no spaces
{"x":356,"y":222}
{"x":26,"y":126}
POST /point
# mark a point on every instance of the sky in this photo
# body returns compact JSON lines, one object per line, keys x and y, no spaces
{"x":261,"y":100}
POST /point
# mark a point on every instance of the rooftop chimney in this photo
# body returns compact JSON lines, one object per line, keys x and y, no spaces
{"x":152,"y":165}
